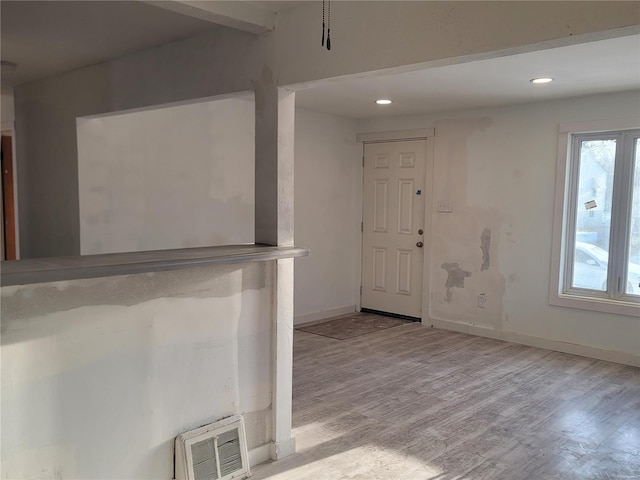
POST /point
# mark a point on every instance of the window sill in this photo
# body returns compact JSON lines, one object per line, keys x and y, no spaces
{"x":616,"y":307}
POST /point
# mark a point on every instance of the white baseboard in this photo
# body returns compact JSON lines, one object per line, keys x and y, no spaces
{"x":259,"y":455}
{"x":282,"y":449}
{"x":564,"y":347}
{"x":323,"y":314}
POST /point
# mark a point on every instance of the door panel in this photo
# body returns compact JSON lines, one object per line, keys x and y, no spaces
{"x":379,"y":269}
{"x":403,"y":277}
{"x":381,"y":205}
{"x":406,"y":192}
{"x":394,"y":179}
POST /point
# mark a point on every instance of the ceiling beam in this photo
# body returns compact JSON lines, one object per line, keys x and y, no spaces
{"x":234,"y":14}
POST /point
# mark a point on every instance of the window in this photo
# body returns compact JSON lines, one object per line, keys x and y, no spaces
{"x":597,"y":228}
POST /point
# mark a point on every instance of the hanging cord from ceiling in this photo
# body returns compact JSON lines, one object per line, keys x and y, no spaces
{"x":323,"y":2}
{"x":328,"y":24}
{"x":326,"y":7}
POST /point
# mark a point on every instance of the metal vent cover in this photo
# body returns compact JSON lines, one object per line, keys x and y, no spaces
{"x":214,"y":452}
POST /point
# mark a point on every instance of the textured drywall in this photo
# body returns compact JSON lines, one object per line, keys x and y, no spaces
{"x":99,"y":376}
{"x":497,"y":167}
{"x":328,"y":189}
{"x":175,"y":177}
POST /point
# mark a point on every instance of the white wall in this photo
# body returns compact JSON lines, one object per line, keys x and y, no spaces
{"x":99,"y":376}
{"x":219,"y":62}
{"x":7,"y":108}
{"x":498,"y":168}
{"x":366,"y":36}
{"x":183,"y":177}
{"x":174,"y":177}
{"x":328,"y":186}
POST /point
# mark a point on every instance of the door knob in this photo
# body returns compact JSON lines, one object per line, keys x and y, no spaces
{"x":419,"y":244}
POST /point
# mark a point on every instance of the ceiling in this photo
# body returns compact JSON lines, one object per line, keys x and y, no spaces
{"x":47,"y":37}
{"x":44,"y":38}
{"x":583,"y":69}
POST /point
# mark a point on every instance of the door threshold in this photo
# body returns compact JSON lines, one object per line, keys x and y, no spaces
{"x":389,"y":314}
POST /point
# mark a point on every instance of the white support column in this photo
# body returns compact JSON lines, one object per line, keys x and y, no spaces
{"x":275,"y":117}
{"x":282,"y":443}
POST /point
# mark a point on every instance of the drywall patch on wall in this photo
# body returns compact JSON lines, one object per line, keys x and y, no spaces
{"x":198,"y":282}
{"x":485,"y":244}
{"x":456,"y":240}
{"x":455,"y":279}
{"x":78,"y":380}
{"x":458,"y":235}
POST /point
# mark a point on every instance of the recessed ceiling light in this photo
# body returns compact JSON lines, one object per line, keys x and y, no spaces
{"x":541,"y":80}
{"x":383,"y":101}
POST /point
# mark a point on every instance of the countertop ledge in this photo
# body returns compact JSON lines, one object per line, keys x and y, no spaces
{"x":42,"y":270}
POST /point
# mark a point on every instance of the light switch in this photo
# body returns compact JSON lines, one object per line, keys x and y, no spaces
{"x":445,"y":206}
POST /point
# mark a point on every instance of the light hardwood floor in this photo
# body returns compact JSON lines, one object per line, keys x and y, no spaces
{"x":414,"y":402}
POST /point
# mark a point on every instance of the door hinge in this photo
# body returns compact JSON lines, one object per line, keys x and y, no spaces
{"x":362,"y":226}
{"x":360,"y":289}
{"x":363,"y":161}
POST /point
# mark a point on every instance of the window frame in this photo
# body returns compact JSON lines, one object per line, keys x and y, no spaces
{"x":561,"y":293}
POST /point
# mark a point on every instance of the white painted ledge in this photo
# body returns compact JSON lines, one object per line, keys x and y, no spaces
{"x":41,"y":270}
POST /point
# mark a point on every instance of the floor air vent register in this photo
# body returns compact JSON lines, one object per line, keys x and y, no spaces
{"x":214,"y":452}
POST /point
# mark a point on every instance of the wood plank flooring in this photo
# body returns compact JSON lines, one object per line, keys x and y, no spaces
{"x":413,"y":402}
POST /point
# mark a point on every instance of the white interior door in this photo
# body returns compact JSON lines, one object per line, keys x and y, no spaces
{"x":393,"y":224}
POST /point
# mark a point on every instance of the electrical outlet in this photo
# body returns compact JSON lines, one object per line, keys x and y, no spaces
{"x":482,"y":300}
{"x":445,"y":206}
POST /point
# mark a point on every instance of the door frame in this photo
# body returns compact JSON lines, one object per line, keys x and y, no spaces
{"x":9,"y":129}
{"x":427,"y":134}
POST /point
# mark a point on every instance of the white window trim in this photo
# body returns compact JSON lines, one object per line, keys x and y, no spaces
{"x":561,"y":209}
